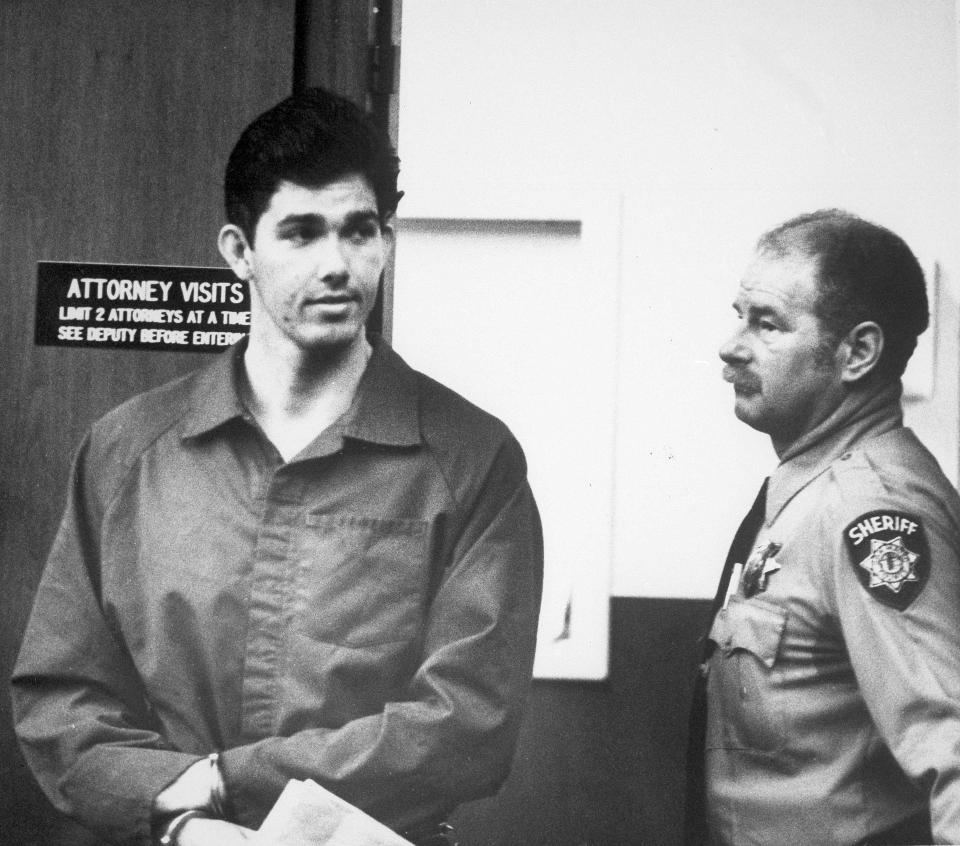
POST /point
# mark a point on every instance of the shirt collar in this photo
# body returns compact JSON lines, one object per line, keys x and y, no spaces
{"x":386,"y":409}
{"x":215,"y":397}
{"x":387,"y":406}
{"x":857,"y":417}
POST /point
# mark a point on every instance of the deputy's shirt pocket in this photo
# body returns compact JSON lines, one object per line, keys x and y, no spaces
{"x":742,"y":683}
{"x":361,"y":580}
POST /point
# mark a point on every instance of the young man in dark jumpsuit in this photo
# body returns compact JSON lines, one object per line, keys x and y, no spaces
{"x":832,"y":673}
{"x":306,"y":560}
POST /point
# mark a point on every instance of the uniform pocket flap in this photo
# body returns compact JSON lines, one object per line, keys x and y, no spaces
{"x":753,"y":625}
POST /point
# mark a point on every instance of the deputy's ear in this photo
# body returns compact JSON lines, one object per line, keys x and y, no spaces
{"x":235,"y":250}
{"x":860,"y":351}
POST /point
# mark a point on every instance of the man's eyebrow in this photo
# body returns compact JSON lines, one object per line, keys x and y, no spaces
{"x":297,"y":219}
{"x":312,"y":219}
{"x":755,"y":309}
{"x":362,"y":216}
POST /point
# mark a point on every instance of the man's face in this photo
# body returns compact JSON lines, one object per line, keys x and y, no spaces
{"x":315,"y":265}
{"x":778,"y":359}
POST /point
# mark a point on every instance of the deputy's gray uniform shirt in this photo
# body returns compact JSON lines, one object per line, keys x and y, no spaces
{"x":834,"y":711}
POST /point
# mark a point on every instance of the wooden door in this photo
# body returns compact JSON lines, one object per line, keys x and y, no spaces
{"x":116,"y":117}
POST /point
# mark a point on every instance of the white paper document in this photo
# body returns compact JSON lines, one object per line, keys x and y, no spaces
{"x":308,"y":815}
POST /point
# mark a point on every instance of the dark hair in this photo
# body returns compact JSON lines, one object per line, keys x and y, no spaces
{"x":311,"y":139}
{"x":864,"y":272}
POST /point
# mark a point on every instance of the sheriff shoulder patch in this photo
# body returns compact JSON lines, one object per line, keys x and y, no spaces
{"x":889,"y":553}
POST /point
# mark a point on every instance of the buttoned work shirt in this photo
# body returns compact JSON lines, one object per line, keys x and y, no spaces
{"x":834,"y":683}
{"x":364,"y":615}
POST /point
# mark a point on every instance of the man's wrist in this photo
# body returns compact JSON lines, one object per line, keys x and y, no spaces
{"x":200,"y":786}
{"x":218,"y":787}
{"x":170,"y":830}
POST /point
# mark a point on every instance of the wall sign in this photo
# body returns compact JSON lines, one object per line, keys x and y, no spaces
{"x":132,"y":306}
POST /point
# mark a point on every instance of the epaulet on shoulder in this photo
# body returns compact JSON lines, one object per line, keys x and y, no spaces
{"x":854,"y":472}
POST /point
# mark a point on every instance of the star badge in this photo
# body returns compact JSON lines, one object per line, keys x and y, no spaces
{"x":890,"y":564}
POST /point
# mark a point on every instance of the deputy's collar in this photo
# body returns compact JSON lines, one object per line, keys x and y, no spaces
{"x":857,"y":417}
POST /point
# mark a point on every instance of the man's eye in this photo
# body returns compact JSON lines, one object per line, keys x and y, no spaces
{"x":767,"y":326}
{"x":363,"y":232}
{"x":297,"y":234}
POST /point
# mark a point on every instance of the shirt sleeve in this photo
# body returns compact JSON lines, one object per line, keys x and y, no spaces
{"x":80,"y":713}
{"x":452,"y":737}
{"x":97,"y":749}
{"x":907,"y":659}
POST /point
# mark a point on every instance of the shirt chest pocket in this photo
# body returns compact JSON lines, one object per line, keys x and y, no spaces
{"x":746,"y":709}
{"x":361,"y":581}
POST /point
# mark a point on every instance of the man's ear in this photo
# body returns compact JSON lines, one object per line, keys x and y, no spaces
{"x":235,"y":250}
{"x":860,"y":351}
{"x":389,"y":233}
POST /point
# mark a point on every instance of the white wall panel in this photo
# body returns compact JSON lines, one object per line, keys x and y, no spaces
{"x":712,"y":122}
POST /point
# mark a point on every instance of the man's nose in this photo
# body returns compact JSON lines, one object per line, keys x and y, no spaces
{"x":734,"y":350}
{"x":332,"y":260}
